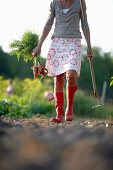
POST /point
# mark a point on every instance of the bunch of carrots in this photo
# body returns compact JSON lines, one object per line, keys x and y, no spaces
{"x":39,"y":70}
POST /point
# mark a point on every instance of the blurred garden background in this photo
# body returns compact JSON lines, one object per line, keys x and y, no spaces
{"x":28,"y":97}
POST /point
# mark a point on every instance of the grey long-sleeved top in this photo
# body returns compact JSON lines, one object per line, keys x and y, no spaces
{"x":67,"y":25}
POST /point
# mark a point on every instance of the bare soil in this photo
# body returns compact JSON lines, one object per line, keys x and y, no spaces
{"x":37,"y":144}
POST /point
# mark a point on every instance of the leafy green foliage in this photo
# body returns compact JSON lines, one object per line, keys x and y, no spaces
{"x":103,"y":70}
{"x":11,"y":68}
{"x":28,"y":100}
{"x":111,"y":83}
{"x":24,"y":47}
{"x":83,"y":107}
{"x":3,"y":102}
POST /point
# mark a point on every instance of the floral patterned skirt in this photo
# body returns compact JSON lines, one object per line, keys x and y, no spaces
{"x":64,"y":54}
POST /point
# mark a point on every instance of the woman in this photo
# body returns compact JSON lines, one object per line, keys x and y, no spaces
{"x":64,"y":57}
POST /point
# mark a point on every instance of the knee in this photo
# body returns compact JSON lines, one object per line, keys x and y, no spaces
{"x":71,"y":76}
{"x":59,"y":79}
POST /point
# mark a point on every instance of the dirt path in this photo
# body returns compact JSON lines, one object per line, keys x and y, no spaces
{"x":37,"y":144}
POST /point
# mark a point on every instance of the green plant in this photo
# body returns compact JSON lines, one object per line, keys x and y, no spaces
{"x":28,"y":100}
{"x":111,"y":83}
{"x":3,"y":107}
{"x":24,"y":47}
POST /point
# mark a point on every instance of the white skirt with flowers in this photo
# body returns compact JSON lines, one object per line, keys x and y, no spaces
{"x":64,"y":54}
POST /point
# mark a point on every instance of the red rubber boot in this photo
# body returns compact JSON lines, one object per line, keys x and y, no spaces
{"x":59,"y":100}
{"x":70,"y":97}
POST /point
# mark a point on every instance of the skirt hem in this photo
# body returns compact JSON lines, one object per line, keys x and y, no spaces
{"x":53,"y":75}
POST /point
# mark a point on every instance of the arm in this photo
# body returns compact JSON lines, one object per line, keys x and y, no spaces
{"x":43,"y":37}
{"x":85,"y":28}
{"x":46,"y":29}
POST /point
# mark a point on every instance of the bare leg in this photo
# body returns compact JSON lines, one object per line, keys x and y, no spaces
{"x":59,"y":98}
{"x":71,"y":77}
{"x":58,"y":83}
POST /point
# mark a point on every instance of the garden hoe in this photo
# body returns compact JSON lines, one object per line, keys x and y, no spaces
{"x":90,"y":61}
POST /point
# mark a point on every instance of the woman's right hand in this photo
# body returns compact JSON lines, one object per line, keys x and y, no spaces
{"x":37,"y":50}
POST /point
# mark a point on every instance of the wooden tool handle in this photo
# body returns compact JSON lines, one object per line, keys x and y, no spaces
{"x":93,"y":78}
